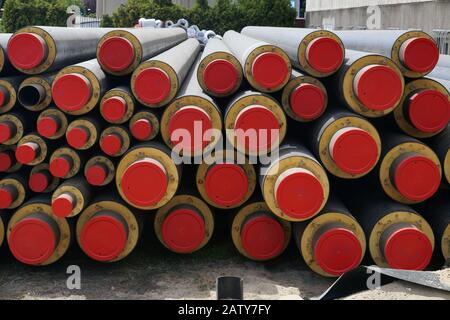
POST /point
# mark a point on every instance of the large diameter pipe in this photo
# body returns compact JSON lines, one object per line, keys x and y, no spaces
{"x":146,"y":177}
{"x":440,"y":73}
{"x":304,"y":98}
{"x":156,"y":81}
{"x":368,"y":84}
{"x":185,"y":224}
{"x":266,"y":66}
{"x":35,"y":93}
{"x":294,"y":185}
{"x":120,"y":52}
{"x":35,"y":236}
{"x":108,"y":230}
{"x":252,"y":221}
{"x":414,"y":52}
{"x":410,"y":172}
{"x":6,"y":69}
{"x":255,"y":123}
{"x":333,"y":242}
{"x":190,"y":125}
{"x":71,"y":197}
{"x":319,"y":53}
{"x":227,"y":182}
{"x":220,"y":72}
{"x":347,"y":145}
{"x":441,"y":146}
{"x":425,"y":108}
{"x":77,"y":89}
{"x":36,"y":50}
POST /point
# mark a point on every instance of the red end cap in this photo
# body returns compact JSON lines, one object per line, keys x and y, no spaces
{"x":6,"y":132}
{"x":325,"y":55}
{"x":111,"y":144}
{"x":299,"y":193}
{"x":38,"y":182}
{"x":145,"y":182}
{"x":6,"y":198}
{"x":220,"y":77}
{"x":338,"y":251}
{"x":114,"y":109}
{"x":193,"y":120}
{"x":429,"y":111}
{"x":354,"y":150}
{"x":71,"y":92}
{"x":103,"y":238}
{"x":270,"y":70}
{"x":417,"y":178}
{"x":408,"y":249}
{"x":26,"y":50}
{"x":378,"y":87}
{"x":262,"y":122}
{"x":183,"y":230}
{"x":263,"y":238}
{"x":27,"y":152}
{"x":32,"y":241}
{"x":116,"y":54}
{"x":96,"y":175}
{"x":4,"y":96}
{"x":47,"y":127}
{"x":152,"y":85}
{"x":63,"y":205}
{"x":60,"y":167}
{"x":307,"y":101}
{"x":420,"y":54}
{"x":226,"y":184}
{"x":6,"y":161}
{"x":77,"y":137}
{"x":142,"y":129}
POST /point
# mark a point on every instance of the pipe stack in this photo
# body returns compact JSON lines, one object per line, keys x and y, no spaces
{"x":335,"y":139}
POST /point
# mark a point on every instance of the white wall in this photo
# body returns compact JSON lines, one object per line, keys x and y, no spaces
{"x":322,"y":5}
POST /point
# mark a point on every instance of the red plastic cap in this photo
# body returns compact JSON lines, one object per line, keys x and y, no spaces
{"x":96,"y":175}
{"x":103,"y":238}
{"x":116,"y":54}
{"x":60,"y":167}
{"x":32,"y":241}
{"x":354,"y":150}
{"x":63,"y":205}
{"x":145,"y":182}
{"x":26,"y":50}
{"x":6,"y":198}
{"x":308,"y":101}
{"x":270,"y":70}
{"x":27,"y":152}
{"x":429,"y":111}
{"x":152,"y":85}
{"x":256,"y":122}
{"x":38,"y":182}
{"x":114,"y":109}
{"x":263,"y":238}
{"x":196,"y":122}
{"x":226,"y":184}
{"x":299,"y":193}
{"x":71,"y":92}
{"x":417,"y":178}
{"x":4,"y":96}
{"x":111,"y":144}
{"x":142,"y":129}
{"x":325,"y":55}
{"x":420,"y":54}
{"x":408,"y":249}
{"x":378,"y":87}
{"x":338,"y":251}
{"x":47,"y":126}
{"x":6,"y":161}
{"x":77,"y":137}
{"x":6,"y":131}
{"x":183,"y":230}
{"x":220,"y":76}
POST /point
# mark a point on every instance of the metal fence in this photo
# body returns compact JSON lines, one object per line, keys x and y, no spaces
{"x":442,"y":37}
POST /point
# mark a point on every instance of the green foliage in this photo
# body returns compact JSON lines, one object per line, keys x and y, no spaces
{"x":224,"y":15}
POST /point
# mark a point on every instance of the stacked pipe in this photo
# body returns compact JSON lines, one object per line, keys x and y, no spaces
{"x":335,"y":139}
